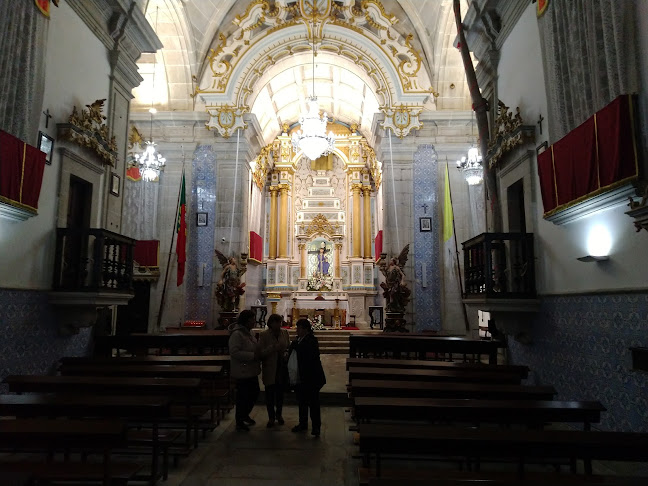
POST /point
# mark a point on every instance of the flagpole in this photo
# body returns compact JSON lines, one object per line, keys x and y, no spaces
{"x":454,"y":231}
{"x":173,"y":233}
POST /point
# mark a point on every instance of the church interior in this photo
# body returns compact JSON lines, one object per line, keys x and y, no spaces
{"x":416,"y":171}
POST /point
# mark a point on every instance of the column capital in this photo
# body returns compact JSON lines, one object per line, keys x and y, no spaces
{"x":356,"y":187}
{"x":283,"y":188}
{"x":273,"y":190}
{"x":366,"y":190}
{"x":301,"y":246}
{"x":338,"y":246}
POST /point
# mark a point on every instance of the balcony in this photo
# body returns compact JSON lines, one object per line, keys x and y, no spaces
{"x":93,"y":269}
{"x":499,"y":277}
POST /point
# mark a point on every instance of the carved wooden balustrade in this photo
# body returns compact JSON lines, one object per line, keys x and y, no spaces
{"x":499,"y":265}
{"x":93,"y":260}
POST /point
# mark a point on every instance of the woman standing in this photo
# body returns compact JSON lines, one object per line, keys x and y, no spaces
{"x":274,"y":343}
{"x":245,"y":367}
{"x":307,"y":375}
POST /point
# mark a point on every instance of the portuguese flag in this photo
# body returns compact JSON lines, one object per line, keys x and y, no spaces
{"x":181,"y":228}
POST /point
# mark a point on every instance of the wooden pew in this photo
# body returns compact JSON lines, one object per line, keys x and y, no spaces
{"x":207,"y":360}
{"x":363,"y":344}
{"x":214,"y":342}
{"x":533,"y":413}
{"x":457,"y":376}
{"x":62,"y":435}
{"x":421,"y":364}
{"x":150,"y":409}
{"x":424,"y":389}
{"x":573,"y":445}
{"x":183,"y":390}
{"x":212,"y":377}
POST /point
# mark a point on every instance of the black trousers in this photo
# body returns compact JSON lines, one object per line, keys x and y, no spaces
{"x":274,"y":400}
{"x":308,"y":399}
{"x":247,"y":392}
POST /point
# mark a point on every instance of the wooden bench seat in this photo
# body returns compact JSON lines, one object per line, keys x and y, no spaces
{"x":533,"y":413}
{"x":422,"y":389}
{"x":449,"y":375}
{"x":426,"y":477}
{"x":77,"y":472}
{"x":573,"y":445}
{"x":420,"y":364}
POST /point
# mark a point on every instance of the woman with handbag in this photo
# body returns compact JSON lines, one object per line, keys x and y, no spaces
{"x":274,"y":343}
{"x":307,"y":376}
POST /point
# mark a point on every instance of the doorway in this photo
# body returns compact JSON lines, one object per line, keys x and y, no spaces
{"x":516,"y":216}
{"x":75,"y":253}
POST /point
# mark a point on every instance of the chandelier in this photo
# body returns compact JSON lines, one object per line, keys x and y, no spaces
{"x":150,"y":162}
{"x":312,"y":139}
{"x":472,"y":167}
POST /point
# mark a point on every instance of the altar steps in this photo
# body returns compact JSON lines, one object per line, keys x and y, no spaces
{"x":332,"y":341}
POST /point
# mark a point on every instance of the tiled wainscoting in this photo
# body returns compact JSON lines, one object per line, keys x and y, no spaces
{"x":580,"y":346}
{"x":30,"y":342}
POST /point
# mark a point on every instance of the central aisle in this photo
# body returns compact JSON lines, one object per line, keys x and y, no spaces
{"x":269,"y":457}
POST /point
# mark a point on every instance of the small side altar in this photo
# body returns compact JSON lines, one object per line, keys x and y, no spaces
{"x":329,"y":306}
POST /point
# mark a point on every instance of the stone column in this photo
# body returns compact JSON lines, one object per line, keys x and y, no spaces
{"x":338,"y":256}
{"x":302,"y":256}
{"x":283,"y":221}
{"x":366,"y":193}
{"x":272,"y":244}
{"x":357,"y":235}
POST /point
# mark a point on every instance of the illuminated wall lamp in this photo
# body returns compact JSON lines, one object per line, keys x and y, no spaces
{"x":593,"y":258}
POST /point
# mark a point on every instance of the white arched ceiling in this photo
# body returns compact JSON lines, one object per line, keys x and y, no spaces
{"x":189,"y":28}
{"x":342,"y":88}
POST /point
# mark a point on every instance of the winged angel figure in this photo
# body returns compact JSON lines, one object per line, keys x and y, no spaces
{"x":229,"y":288}
{"x":395,"y":290}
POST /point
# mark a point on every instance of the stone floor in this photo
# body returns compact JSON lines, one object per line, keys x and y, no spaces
{"x":269,"y":457}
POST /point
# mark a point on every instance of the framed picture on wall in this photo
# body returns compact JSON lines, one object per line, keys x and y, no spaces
{"x":425,"y":224}
{"x":115,"y":181}
{"x":201,"y":219}
{"x":46,"y":144}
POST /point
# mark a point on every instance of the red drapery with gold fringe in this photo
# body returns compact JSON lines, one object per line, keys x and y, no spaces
{"x":21,"y":172}
{"x":595,"y":157}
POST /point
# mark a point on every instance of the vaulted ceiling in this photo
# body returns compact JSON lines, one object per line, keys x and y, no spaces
{"x":190,"y":29}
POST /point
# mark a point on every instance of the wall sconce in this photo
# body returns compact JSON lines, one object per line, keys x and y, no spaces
{"x":592,"y":258}
{"x":599,"y":243}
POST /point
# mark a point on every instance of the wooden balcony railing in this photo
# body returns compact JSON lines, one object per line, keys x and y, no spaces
{"x":499,"y":265}
{"x":93,"y":260}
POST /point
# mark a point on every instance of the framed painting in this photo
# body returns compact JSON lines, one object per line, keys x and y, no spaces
{"x":46,"y":144}
{"x":115,"y":182}
{"x":425,"y":224}
{"x":201,"y":219}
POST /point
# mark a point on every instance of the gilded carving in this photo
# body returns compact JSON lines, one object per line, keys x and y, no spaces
{"x":88,"y":129}
{"x":263,"y":18}
{"x":226,"y":119}
{"x":509,"y":133}
{"x":402,"y":119}
{"x":318,"y":225}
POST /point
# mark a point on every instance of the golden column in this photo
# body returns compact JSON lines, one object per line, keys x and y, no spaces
{"x":272,"y":245}
{"x":366,"y":193}
{"x":357,"y":235}
{"x":302,"y":264}
{"x":338,"y":256}
{"x":283,"y":220}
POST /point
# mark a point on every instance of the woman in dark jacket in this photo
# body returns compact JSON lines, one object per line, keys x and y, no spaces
{"x":309,"y":378}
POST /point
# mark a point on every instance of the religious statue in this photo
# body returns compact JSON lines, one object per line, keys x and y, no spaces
{"x":322,"y":260}
{"x":229,"y":288}
{"x":395,"y":290}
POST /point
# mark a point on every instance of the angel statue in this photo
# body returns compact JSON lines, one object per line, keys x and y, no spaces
{"x":229,"y":288}
{"x":395,"y":290}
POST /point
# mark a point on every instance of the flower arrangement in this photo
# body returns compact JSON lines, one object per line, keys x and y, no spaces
{"x":320,"y":281}
{"x":316,"y":323}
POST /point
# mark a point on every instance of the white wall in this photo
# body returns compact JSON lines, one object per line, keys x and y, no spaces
{"x":521,"y":83}
{"x":76,"y":73}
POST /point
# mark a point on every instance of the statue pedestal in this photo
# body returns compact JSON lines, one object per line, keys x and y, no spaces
{"x":225,"y":319}
{"x":395,"y":322}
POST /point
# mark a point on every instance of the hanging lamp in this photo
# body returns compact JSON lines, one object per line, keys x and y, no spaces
{"x":312,"y":138}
